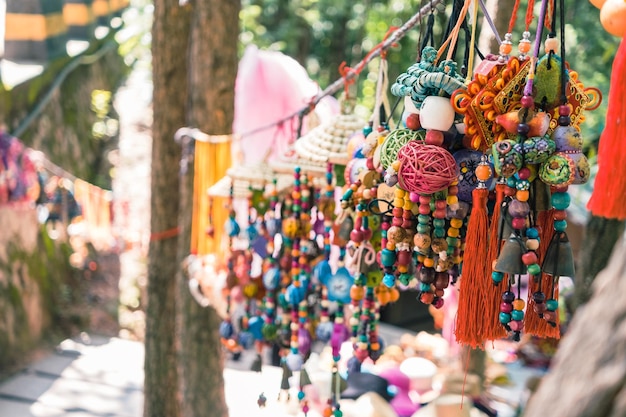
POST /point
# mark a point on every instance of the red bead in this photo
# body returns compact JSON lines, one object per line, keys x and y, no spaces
{"x":518,"y":223}
{"x":397,"y":211}
{"x":509,"y":191}
{"x":434,"y":137}
{"x":396,"y":221}
{"x":524,"y":173}
{"x":529,"y":258}
{"x":516,"y":326}
{"x":370,"y":164}
{"x":441,"y":204}
{"x":560,"y":189}
{"x":413,"y":121}
{"x":564,"y":110}
{"x":424,"y":199}
{"x":407,"y":215}
{"x":453,"y":190}
{"x":527,"y":102}
{"x":506,"y":307}
{"x":560,"y":215}
{"x":367,"y":234}
{"x":404,"y":257}
{"x":424,"y":209}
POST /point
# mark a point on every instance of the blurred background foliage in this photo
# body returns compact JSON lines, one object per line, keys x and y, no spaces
{"x":321,"y":34}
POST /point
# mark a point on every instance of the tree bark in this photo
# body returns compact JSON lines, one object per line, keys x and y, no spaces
{"x":601,"y":234}
{"x":212,"y":72}
{"x":500,"y":11}
{"x":170,"y":38}
{"x":588,"y":375}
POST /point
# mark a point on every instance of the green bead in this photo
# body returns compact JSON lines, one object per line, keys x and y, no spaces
{"x":440,"y":223}
{"x":517,"y":315}
{"x":439,"y":233}
{"x":452,"y":241}
{"x":552,"y":304}
{"x":534,"y":269}
{"x":561,"y":201}
{"x":423,"y":228}
{"x":560,"y":225}
{"x":423,"y":219}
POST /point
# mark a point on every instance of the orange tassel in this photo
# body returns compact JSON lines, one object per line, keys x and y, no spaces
{"x":470,"y":313}
{"x":610,"y":183}
{"x":492,"y":329}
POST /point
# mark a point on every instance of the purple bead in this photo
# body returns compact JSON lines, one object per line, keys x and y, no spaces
{"x":519,"y":208}
{"x":523,"y":128}
{"x":508,"y":296}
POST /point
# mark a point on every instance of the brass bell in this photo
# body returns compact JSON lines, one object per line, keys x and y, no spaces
{"x":559,"y":260}
{"x":510,"y":259}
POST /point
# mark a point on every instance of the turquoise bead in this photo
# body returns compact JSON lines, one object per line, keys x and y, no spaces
{"x":534,"y":269}
{"x":452,"y":241}
{"x":532,"y":233}
{"x":561,"y":201}
{"x":439,"y":233}
{"x":301,"y":395}
{"x":504,"y":318}
{"x":423,"y":228}
{"x":552,"y":304}
{"x":423,"y":219}
{"x":511,"y":182}
{"x":523,"y":185}
{"x":440,"y":223}
{"x":560,"y":225}
{"x":387,"y":257}
{"x":424,"y":287}
{"x":497,"y":277}
{"x":389,"y":280}
{"x":517,"y":315}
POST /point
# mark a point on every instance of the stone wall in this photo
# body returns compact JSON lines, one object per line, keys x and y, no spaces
{"x":39,"y":290}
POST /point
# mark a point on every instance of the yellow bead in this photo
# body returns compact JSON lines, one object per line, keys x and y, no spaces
{"x":519,"y":304}
{"x":396,"y":166}
{"x":398,"y":202}
{"x":403,"y":269}
{"x":456,"y":223}
{"x":408,"y":205}
{"x":420,"y":258}
{"x":399,"y":193}
{"x":429,"y":262}
{"x":452,"y":200}
{"x":453,"y":232}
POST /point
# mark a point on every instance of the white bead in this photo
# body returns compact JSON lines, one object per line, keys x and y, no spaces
{"x":437,"y":113}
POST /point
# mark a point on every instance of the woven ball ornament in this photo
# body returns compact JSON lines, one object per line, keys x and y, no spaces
{"x":425,"y":169}
{"x":395,"y":141}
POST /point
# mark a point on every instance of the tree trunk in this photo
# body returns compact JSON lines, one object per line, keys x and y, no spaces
{"x":500,"y":11}
{"x":212,"y":72}
{"x":601,"y":234}
{"x":588,"y":375}
{"x":170,"y":37}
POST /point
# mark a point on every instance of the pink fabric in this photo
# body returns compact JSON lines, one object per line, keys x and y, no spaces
{"x":269,"y":87}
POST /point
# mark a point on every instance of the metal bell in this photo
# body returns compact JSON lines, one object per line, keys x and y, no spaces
{"x":510,"y":259}
{"x":559,"y":259}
